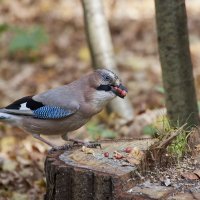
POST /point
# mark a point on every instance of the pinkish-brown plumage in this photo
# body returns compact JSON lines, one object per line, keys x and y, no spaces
{"x":65,"y":108}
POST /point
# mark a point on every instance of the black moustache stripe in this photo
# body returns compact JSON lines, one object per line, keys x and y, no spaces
{"x":104,"y":87}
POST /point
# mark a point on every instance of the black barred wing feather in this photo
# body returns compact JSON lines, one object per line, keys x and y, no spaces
{"x":51,"y":112}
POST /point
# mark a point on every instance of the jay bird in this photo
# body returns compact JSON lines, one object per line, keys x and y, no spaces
{"x":65,"y":108}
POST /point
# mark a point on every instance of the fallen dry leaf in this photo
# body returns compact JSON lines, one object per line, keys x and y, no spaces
{"x":197,"y":172}
{"x":9,"y":165}
{"x":189,"y":175}
{"x":23,"y":161}
{"x":135,"y":156}
{"x":197,"y":147}
{"x":136,"y":153}
{"x":7,"y":143}
{"x":19,"y":196}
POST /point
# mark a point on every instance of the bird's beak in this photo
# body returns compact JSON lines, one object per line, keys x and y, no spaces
{"x":120,"y":90}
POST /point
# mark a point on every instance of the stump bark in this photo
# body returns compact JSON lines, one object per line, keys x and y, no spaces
{"x":77,"y":175}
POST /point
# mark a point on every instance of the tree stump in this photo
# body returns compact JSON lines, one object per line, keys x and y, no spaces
{"x":77,"y":175}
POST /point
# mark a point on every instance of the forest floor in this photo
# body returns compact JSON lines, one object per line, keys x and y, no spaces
{"x":173,"y":182}
{"x":57,"y":54}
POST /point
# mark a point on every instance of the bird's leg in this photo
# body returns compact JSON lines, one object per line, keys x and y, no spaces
{"x":54,"y":147}
{"x":37,"y":136}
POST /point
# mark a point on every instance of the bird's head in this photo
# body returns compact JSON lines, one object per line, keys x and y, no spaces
{"x":108,"y":82}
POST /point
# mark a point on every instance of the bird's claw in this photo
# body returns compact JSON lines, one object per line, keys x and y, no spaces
{"x":93,"y":145}
{"x":59,"y":148}
{"x":87,"y":144}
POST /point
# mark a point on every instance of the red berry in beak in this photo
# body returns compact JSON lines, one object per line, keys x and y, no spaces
{"x":120,"y":91}
{"x":123,"y":93}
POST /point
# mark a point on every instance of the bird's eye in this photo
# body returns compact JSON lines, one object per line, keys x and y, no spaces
{"x":107,"y":78}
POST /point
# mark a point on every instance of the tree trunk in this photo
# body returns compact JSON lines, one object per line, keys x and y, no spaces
{"x":101,"y":49}
{"x":76,"y":175}
{"x":176,"y":62}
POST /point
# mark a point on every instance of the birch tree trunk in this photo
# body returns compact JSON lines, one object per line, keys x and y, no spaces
{"x":101,"y":49}
{"x":176,"y":62}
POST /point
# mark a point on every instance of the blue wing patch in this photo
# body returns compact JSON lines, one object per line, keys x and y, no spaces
{"x":51,"y":112}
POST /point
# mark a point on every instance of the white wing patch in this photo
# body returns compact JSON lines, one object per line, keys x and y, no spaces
{"x":23,"y":106}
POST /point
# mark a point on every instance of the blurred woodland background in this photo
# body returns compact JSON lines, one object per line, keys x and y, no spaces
{"x":43,"y":45}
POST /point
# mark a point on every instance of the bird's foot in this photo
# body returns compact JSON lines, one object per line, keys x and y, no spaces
{"x":59,"y":148}
{"x":92,"y":144}
{"x":87,"y":144}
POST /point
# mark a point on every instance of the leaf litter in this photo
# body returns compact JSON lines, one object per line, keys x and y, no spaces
{"x":64,"y":58}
